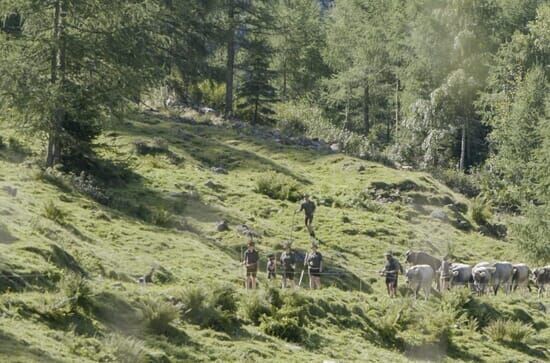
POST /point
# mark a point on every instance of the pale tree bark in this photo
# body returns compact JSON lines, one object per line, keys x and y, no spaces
{"x":463,"y":146}
{"x":230,"y":65}
{"x":366,"y":118}
{"x":57,"y":76}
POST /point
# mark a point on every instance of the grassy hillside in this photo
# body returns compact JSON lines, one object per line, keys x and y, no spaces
{"x":73,"y":246}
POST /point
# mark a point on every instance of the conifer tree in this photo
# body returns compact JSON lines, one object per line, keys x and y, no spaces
{"x":75,"y":64}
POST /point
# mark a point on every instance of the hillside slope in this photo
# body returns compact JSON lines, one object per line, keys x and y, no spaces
{"x":154,"y":199}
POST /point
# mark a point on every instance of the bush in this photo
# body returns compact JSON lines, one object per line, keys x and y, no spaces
{"x":278,"y":186}
{"x":283,"y":327}
{"x":126,"y":349}
{"x":54,"y":213}
{"x":215,"y":310}
{"x":509,"y":330}
{"x":481,"y":211}
{"x":211,"y":94}
{"x":458,"y":181}
{"x":254,"y":307}
{"x":77,"y":292}
{"x":162,"y":218}
{"x":158,"y":314}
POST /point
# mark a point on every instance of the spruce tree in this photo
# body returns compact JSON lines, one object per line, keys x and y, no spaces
{"x":75,"y":64}
{"x":255,"y":91}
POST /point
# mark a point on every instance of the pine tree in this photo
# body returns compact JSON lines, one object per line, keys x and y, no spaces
{"x":255,"y":90}
{"x":75,"y":64}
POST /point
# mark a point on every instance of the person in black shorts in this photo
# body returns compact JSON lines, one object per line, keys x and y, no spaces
{"x":288,"y":263}
{"x":271,"y":267}
{"x":314,"y":262}
{"x":308,"y":206}
{"x":251,"y":259}
{"x":391,"y":271}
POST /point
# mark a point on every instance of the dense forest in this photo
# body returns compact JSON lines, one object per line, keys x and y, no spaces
{"x":458,"y":88}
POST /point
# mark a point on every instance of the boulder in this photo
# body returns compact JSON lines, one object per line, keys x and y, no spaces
{"x":222,"y":226}
{"x":335,"y":147}
{"x":210,"y":184}
{"x":219,"y":170}
{"x":439,"y":214}
{"x":10,"y":190}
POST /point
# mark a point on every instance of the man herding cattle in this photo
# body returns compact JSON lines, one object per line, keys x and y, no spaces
{"x":391,"y":271}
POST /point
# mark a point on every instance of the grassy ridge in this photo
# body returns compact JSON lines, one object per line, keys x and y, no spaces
{"x":155,"y":202}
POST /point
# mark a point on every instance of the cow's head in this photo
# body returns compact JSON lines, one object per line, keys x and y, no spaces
{"x":408,"y":255}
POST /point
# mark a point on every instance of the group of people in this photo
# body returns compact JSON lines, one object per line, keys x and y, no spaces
{"x":313,"y":263}
{"x":425,"y":268}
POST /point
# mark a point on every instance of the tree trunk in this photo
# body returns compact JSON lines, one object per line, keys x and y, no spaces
{"x":230,"y":60}
{"x":284,"y":79}
{"x":366,"y":121}
{"x":346,"y":112}
{"x":462,"y":147}
{"x":255,"y":117}
{"x":397,"y":105}
{"x":53,"y":155}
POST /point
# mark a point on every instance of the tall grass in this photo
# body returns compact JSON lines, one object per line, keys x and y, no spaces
{"x":509,"y":330}
{"x":126,"y":349}
{"x":158,"y":314}
{"x":481,"y":211}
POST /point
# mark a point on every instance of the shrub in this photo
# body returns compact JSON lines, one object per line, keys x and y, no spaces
{"x":508,"y":330}
{"x":158,"y":146}
{"x":224,"y":298}
{"x":211,"y":94}
{"x":54,"y":213}
{"x":158,"y":314}
{"x":458,"y":181}
{"x":283,"y":327}
{"x":481,"y":211}
{"x":77,"y":291}
{"x":126,"y":349}
{"x":254,"y":307}
{"x":215,"y":310}
{"x":162,"y":218}
{"x":278,"y":186}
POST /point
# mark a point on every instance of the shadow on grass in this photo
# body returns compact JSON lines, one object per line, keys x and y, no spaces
{"x":59,"y":257}
{"x":19,"y":351}
{"x":211,"y":152}
{"x":524,"y":348}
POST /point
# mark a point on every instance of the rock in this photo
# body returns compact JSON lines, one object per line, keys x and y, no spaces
{"x":219,"y":170}
{"x":210,"y":184}
{"x":484,"y":230}
{"x":205,"y":110}
{"x":222,"y":226}
{"x":439,"y":214}
{"x":10,"y":190}
{"x":361,"y":168}
{"x":335,"y":147}
{"x":462,"y":224}
{"x":247,"y":231}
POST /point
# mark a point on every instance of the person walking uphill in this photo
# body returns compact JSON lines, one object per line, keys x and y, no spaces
{"x":288,"y":263}
{"x":251,"y":259}
{"x":308,"y":206}
{"x":391,"y":270}
{"x":314,"y":262}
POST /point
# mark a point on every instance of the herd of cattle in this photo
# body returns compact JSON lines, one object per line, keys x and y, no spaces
{"x":480,"y":278}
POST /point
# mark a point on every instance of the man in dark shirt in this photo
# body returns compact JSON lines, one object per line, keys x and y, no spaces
{"x":251,"y":259}
{"x":308,"y":206}
{"x":314,"y":262}
{"x":288,"y":262}
{"x":391,"y":270}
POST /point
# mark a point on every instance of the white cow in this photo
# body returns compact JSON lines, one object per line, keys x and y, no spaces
{"x":420,"y":277}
